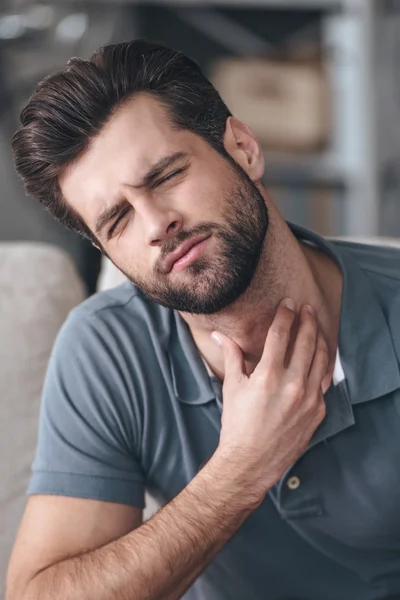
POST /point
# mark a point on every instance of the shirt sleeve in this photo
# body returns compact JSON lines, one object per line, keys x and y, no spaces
{"x":88,"y":441}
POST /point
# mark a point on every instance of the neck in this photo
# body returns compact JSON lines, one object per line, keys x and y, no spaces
{"x":287,"y":268}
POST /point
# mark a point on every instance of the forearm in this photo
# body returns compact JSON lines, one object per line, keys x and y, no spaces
{"x":164,"y":556}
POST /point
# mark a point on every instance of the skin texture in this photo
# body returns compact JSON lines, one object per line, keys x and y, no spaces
{"x":270,"y":334}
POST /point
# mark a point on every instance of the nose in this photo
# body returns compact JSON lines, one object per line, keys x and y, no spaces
{"x":159,"y":222}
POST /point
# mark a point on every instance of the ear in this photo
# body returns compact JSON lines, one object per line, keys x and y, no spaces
{"x":242,"y":145}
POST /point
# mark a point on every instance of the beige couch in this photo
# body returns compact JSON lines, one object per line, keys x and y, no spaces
{"x":38,"y":287}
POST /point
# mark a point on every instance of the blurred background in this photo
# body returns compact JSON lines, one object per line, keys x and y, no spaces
{"x":316,"y":80}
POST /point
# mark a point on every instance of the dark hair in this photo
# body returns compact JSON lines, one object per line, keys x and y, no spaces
{"x":68,"y":109}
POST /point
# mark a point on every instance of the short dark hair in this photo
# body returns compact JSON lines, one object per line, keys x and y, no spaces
{"x":68,"y":109}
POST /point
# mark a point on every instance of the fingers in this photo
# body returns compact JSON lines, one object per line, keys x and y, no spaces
{"x":319,"y":365}
{"x":309,"y":358}
{"x":320,"y":410}
{"x":278,"y":337}
{"x":305,"y":343}
{"x":233,"y":356}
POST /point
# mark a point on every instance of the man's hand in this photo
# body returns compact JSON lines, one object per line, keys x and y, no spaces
{"x":269,"y":417}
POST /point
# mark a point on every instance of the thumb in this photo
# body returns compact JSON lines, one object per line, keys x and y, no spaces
{"x":233,"y":355}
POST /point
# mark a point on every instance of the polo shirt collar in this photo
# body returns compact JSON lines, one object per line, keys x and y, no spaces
{"x":363,"y":326}
{"x":190,"y":379}
{"x":367,"y":351}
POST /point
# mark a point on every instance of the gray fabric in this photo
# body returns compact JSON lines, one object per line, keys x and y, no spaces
{"x":128,"y":405}
{"x":38,"y":287}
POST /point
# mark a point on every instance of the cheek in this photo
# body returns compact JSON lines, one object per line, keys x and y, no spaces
{"x":135,"y":264}
{"x":204,"y":200}
{"x":130,"y":256}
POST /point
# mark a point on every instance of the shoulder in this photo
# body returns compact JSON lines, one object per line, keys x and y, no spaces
{"x":111,"y":352}
{"x":379,"y":262}
{"x":380,"y":265}
{"x":115,"y":302}
{"x":123,"y":312}
{"x":115,"y":331}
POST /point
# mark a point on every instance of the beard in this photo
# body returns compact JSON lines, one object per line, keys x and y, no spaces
{"x":215,"y":282}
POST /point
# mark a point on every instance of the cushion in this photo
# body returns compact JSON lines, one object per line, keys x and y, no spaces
{"x":38,"y":287}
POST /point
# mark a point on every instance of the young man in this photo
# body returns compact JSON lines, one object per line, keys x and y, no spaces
{"x":247,"y":373}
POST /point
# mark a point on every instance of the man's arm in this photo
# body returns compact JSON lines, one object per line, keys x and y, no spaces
{"x":157,"y":560}
{"x":267,"y":421}
{"x":55,"y":528}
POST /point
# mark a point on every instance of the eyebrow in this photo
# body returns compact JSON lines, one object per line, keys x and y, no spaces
{"x":108,"y":214}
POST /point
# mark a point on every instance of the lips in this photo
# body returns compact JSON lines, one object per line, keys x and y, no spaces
{"x":181,"y":251}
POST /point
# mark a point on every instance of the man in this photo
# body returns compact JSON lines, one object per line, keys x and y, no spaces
{"x":249,"y":377}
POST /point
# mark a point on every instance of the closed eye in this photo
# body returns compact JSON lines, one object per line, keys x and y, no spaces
{"x":124,"y":212}
{"x":168,"y":177}
{"x":115,"y":224}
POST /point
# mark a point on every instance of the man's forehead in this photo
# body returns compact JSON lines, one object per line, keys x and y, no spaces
{"x":139,"y":135}
{"x":125,"y":144}
{"x":135,"y":139}
{"x":137,"y":121}
{"x":142,"y":105}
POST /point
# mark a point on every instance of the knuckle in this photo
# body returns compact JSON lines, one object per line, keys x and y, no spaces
{"x":295,"y":389}
{"x":310,"y":409}
{"x":267,"y":377}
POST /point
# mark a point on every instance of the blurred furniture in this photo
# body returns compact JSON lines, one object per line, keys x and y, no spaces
{"x":285,"y":103}
{"x":39,"y":285}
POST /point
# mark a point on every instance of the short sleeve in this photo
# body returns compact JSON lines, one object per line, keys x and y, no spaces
{"x":88,"y":430}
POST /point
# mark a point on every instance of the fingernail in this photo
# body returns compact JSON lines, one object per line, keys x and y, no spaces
{"x":310,"y":309}
{"x":289,"y":303}
{"x":215,"y":337}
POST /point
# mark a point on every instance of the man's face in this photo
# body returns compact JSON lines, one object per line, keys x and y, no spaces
{"x":177,"y":218}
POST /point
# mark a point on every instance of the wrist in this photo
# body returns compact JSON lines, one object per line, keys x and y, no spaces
{"x":233,"y":478}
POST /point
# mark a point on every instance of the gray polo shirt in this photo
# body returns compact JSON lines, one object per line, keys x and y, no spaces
{"x":128,"y":405}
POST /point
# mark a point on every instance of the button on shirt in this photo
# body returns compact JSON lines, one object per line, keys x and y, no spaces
{"x":128,"y":405}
